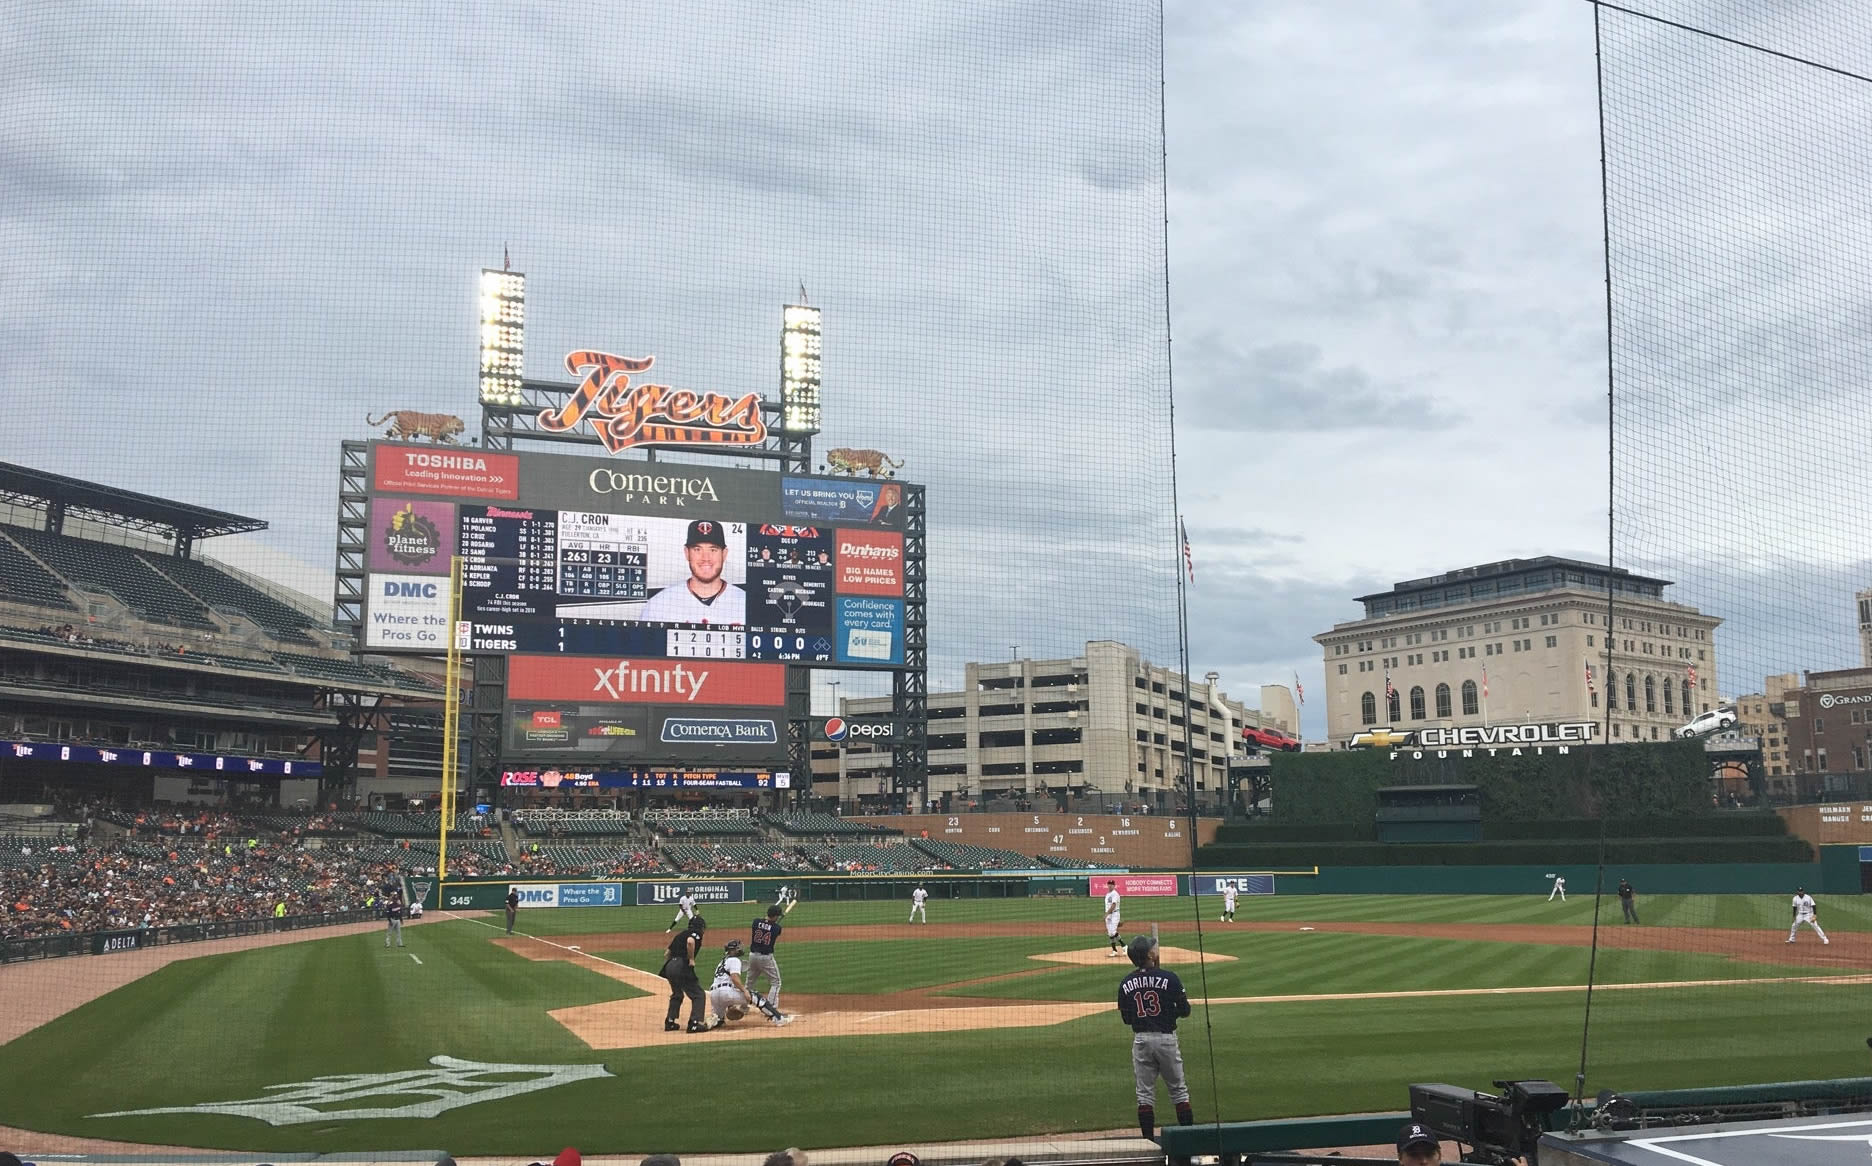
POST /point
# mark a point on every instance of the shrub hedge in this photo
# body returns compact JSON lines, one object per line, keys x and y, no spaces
{"x":1218,"y":856}
{"x":1731,"y":825}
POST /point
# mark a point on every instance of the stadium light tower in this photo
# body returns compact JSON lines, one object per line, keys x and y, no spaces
{"x":503,"y":335}
{"x":799,"y":370}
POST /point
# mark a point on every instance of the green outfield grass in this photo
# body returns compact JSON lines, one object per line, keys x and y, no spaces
{"x":225,"y":1027}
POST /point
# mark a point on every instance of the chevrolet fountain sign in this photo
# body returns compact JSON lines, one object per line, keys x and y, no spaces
{"x":1490,"y":740}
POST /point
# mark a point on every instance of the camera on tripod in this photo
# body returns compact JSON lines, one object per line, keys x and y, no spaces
{"x":1500,"y":1128}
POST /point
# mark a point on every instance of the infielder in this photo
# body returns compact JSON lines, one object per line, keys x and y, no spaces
{"x":685,"y":910}
{"x":1228,"y":902}
{"x":729,"y":996}
{"x":1804,"y":913}
{"x":917,"y":898}
{"x":786,"y":898}
{"x":1559,"y":888}
{"x":1150,"y":1000}
{"x":1112,"y":901}
{"x":761,"y":955}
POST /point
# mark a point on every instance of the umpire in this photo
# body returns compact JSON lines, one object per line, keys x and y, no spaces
{"x":679,"y":970}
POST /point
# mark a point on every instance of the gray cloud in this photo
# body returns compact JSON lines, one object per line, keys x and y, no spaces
{"x":1282,"y":387}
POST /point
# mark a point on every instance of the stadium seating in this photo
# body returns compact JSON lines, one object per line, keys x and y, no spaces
{"x":714,"y":823}
{"x":888,"y":858}
{"x":572,"y":823}
{"x":353,"y":672}
{"x":118,"y":571}
{"x":694,"y":858}
{"x":224,"y":592}
{"x":823,"y":825}
{"x":966,"y":857}
{"x":1058,"y":862}
{"x":24,"y":581}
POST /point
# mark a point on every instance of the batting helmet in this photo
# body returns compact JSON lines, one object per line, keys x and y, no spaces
{"x":1139,"y":949}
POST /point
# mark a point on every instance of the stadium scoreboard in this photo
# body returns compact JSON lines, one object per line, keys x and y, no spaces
{"x":648,"y":608}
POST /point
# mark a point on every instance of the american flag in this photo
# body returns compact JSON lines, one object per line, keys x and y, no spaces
{"x":1389,"y":692}
{"x":1589,"y":682}
{"x":1692,"y":671}
{"x":1485,"y":682}
{"x":1189,"y":560}
{"x":1298,"y":691}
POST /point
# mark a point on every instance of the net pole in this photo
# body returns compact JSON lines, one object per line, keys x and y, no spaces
{"x":451,"y":725}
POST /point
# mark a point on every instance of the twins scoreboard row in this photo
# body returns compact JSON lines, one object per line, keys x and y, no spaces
{"x":615,"y":570}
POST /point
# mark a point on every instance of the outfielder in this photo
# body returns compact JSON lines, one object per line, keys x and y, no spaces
{"x":729,"y":996}
{"x":917,"y":898}
{"x":685,"y":910}
{"x":761,"y":960}
{"x":1559,"y":888}
{"x":1150,"y":1000}
{"x":1804,"y":913}
{"x":1112,"y":902}
{"x":1228,"y":902}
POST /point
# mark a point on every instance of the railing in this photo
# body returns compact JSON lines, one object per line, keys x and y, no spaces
{"x":109,"y":942}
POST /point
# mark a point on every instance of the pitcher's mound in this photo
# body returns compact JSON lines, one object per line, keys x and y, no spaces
{"x":1102,"y":955}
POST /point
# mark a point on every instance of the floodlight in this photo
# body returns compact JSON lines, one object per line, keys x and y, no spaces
{"x":799,"y":369}
{"x":503,"y":336}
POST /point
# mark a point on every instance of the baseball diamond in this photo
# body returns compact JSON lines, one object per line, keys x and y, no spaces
{"x":1315,"y":999}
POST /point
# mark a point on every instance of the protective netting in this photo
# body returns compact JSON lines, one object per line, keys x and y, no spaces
{"x":1735,"y":160}
{"x":239,"y":237}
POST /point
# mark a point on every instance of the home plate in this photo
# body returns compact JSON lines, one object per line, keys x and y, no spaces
{"x":1098,"y":955}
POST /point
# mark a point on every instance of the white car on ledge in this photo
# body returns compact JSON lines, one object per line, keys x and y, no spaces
{"x":1714,"y":721}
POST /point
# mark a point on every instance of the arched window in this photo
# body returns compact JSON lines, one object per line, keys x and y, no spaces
{"x":1631,"y":693}
{"x":1670,"y":698}
{"x":1687,"y":706}
{"x":1368,"y":709}
{"x":1650,"y":694}
{"x":1416,"y":703}
{"x":1391,"y":707}
{"x":1442,"y":700}
{"x":1468,"y":698}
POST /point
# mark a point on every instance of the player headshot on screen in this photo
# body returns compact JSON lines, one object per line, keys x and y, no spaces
{"x":889,"y":507}
{"x":705,"y":597}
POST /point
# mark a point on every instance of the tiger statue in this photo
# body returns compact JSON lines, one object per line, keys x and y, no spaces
{"x":871,"y":461}
{"x":406,"y":424}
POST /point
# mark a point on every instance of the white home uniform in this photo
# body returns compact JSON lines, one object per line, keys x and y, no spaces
{"x":677,"y":604}
{"x":685,"y":911}
{"x":722,"y":992}
{"x":1112,"y":902}
{"x":917,"y":899}
{"x":1804,"y":913}
{"x":1559,"y":888}
{"x":1228,"y":902}
{"x":785,"y":896}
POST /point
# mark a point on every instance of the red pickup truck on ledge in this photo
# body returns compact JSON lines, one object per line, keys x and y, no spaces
{"x":1269,"y":739}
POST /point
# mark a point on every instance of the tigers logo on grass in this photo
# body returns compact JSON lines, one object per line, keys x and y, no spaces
{"x":451,"y":1084}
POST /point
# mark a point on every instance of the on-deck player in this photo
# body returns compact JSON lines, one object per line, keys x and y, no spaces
{"x":729,"y":990}
{"x":761,"y":960}
{"x":1112,"y":903}
{"x":917,"y":898}
{"x":1228,"y":902}
{"x":685,"y":910}
{"x":1150,"y":1000}
{"x":1804,"y":913}
{"x":705,"y":597}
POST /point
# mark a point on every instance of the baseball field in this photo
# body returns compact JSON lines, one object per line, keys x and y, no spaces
{"x":993,"y":1020}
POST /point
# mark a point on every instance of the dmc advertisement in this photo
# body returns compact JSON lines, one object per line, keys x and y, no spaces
{"x":582,"y":556}
{"x":569,"y":894}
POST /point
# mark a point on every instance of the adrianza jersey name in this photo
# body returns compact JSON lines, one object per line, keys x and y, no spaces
{"x":1493,"y":739}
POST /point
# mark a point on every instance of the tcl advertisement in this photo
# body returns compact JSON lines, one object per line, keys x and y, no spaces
{"x":587,"y":709}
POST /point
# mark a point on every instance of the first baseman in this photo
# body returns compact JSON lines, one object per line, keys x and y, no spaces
{"x":917,"y":898}
{"x":1150,"y":1000}
{"x":685,"y":910}
{"x":1112,"y":901}
{"x":1228,"y":902}
{"x":1804,"y":913}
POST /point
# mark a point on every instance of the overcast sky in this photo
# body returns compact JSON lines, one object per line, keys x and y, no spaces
{"x":233,"y":231}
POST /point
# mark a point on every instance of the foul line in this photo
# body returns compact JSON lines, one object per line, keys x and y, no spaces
{"x":412,"y":955}
{"x":1535,"y":990}
{"x":573,"y":951}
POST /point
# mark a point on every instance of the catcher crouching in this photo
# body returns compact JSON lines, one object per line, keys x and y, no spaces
{"x":728,"y":994}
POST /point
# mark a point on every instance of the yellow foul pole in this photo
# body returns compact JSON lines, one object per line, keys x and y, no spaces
{"x":451,"y":727}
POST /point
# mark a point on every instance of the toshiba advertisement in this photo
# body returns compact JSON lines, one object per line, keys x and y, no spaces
{"x":579,"y":709}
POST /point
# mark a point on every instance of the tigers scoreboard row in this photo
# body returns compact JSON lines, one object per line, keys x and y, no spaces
{"x":647,"y":607}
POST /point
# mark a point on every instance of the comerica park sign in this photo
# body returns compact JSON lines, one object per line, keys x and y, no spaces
{"x":1487,"y":740}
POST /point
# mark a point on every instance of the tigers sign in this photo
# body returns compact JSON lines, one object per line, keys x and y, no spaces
{"x":625,"y":415}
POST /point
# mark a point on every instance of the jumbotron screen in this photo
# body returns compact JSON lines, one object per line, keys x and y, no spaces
{"x":648,"y":609}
